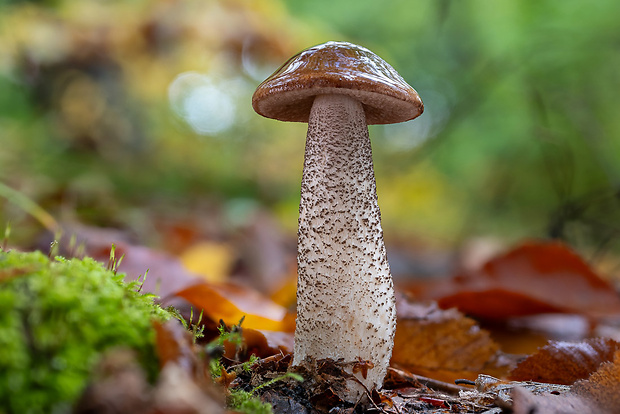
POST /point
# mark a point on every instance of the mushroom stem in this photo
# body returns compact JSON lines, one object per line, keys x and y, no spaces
{"x":340,"y":244}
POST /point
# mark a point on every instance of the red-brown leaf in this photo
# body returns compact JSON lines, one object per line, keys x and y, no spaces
{"x":533,"y":278}
{"x":442,"y":344}
{"x":265,"y":343}
{"x":602,"y":388}
{"x":565,"y":362}
{"x":596,"y":395}
{"x":174,"y":344}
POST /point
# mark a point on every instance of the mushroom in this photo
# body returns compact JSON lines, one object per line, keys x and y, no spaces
{"x":345,"y":296}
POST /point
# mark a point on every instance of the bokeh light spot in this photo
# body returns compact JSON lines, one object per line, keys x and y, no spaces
{"x":202,"y":103}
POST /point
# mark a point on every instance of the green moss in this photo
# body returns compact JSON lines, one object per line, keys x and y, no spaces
{"x":56,"y":318}
{"x":247,"y":403}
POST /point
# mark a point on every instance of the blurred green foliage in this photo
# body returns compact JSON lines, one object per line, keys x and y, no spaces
{"x":111,"y":107}
{"x":520,"y":101}
{"x":57,"y":318}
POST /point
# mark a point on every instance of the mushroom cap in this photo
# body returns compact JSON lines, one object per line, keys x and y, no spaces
{"x":337,"y":68}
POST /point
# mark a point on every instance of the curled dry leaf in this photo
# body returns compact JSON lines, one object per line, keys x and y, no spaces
{"x":231,"y":302}
{"x":441,"y":344}
{"x":596,"y":395}
{"x":266,"y":343}
{"x":226,"y":378}
{"x":533,"y":278}
{"x":603,"y":387}
{"x":565,"y":362}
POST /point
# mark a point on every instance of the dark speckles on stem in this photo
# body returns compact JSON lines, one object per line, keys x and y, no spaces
{"x":345,"y":291}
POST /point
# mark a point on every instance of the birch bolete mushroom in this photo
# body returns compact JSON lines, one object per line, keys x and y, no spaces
{"x":345,"y":295}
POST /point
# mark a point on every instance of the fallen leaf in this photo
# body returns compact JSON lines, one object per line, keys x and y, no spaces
{"x":398,"y":378}
{"x":118,"y":384}
{"x":441,"y":344}
{"x":596,"y":395}
{"x":435,"y":402}
{"x":603,"y":387}
{"x":286,"y":293}
{"x":495,"y":389}
{"x":212,"y":261}
{"x":362,"y":366}
{"x":526,"y":402}
{"x":264,"y":343}
{"x":496,"y":303}
{"x":177,"y":392}
{"x":226,"y":378}
{"x":565,"y":362}
{"x":533,"y":278}
{"x":174,"y":344}
{"x":231,"y":302}
{"x":261,"y":343}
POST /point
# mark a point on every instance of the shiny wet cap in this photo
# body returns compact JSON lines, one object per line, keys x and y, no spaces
{"x":337,"y":68}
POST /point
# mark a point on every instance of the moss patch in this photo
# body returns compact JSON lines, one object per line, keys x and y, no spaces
{"x":56,"y":319}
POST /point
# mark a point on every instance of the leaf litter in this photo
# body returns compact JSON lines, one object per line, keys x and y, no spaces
{"x":433,"y":345}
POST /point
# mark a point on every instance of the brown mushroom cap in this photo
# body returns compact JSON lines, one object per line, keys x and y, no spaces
{"x":337,"y":68}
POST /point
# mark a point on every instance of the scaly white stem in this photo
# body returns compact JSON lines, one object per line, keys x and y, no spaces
{"x":345,"y":295}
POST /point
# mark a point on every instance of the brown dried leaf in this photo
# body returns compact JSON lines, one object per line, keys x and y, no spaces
{"x":266,"y":343}
{"x":118,"y":384}
{"x":488,"y":388}
{"x":441,"y":344}
{"x":261,"y":343}
{"x":174,"y":344}
{"x":533,"y":278}
{"x":495,"y":303}
{"x":177,"y":392}
{"x":398,"y":378}
{"x":596,"y":395}
{"x":226,"y":378}
{"x":525,"y":402}
{"x":565,"y":362}
{"x":184,"y":383}
{"x":603,"y":387}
